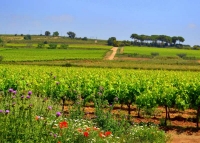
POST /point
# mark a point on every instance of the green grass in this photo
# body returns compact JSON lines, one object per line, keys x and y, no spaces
{"x":25,"y":54}
{"x":167,"y":52}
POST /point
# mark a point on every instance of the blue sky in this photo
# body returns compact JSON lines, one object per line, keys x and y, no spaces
{"x":103,"y":18}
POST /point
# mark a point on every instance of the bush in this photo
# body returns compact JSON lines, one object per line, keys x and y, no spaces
{"x":85,"y":38}
{"x":52,"y":46}
{"x":182,"y":55}
{"x":40,"y":45}
{"x":45,"y":42}
{"x":27,"y":37}
{"x":154,"y":54}
{"x":63,"y":46}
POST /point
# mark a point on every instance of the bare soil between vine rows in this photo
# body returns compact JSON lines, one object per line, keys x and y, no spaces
{"x":181,"y":128}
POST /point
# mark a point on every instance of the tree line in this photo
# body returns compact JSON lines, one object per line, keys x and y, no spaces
{"x":150,"y":41}
{"x":157,"y":40}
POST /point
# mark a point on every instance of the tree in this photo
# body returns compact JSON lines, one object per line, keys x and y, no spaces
{"x":134,"y":36}
{"x":174,"y":39}
{"x":180,"y":39}
{"x":55,"y":33}
{"x":111,"y":41}
{"x":85,"y":38}
{"x":47,"y":33}
{"x":71,"y":34}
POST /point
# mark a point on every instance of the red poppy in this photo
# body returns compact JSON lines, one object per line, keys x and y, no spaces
{"x":101,"y":134}
{"x":63,"y":124}
{"x":95,"y":128}
{"x":59,"y":142}
{"x":88,"y":129}
{"x":79,"y":130}
{"x":107,"y":133}
{"x":86,"y":134}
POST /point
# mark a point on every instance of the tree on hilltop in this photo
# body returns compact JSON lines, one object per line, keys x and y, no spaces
{"x":71,"y":34}
{"x":55,"y":33}
{"x":47,"y":33}
{"x":111,"y":41}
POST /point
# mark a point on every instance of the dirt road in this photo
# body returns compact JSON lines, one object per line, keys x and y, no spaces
{"x":114,"y":49}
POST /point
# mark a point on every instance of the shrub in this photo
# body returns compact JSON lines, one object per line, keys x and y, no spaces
{"x":52,"y":46}
{"x":45,"y":42}
{"x":27,"y":37}
{"x":85,"y":38}
{"x":40,"y":45}
{"x":182,"y":55}
{"x":63,"y":46}
{"x":155,"y":54}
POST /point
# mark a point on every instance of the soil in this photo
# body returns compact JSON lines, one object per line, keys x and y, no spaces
{"x":181,"y":128}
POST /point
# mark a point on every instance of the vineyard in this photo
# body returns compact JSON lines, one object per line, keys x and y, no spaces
{"x":24,"y":54}
{"x":144,"y":89}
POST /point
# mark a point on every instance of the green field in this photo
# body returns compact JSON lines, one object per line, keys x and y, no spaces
{"x":32,"y":54}
{"x":167,"y":52}
{"x":77,"y":46}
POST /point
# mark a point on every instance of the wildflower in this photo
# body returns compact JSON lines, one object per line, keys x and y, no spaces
{"x":45,"y":99}
{"x":14,"y":92}
{"x":22,"y":97}
{"x":28,"y":97}
{"x":49,"y":108}
{"x":55,"y":135}
{"x":107,"y":133}
{"x":30,"y":105}
{"x":58,"y":114}
{"x":1,"y":111}
{"x":101,"y":134}
{"x":63,"y":124}
{"x":99,"y":93}
{"x":86,"y":134}
{"x":7,"y":111}
{"x":116,"y":98}
{"x":95,"y":128}
{"x":87,"y":129}
{"x":79,"y":130}
{"x":59,"y":142}
{"x":10,"y":90}
{"x":37,"y":117}
{"x":57,"y":83}
{"x":30,"y":93}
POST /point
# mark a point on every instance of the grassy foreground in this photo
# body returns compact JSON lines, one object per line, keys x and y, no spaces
{"x":25,"y":117}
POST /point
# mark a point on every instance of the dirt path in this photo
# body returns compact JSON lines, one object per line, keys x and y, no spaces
{"x":184,"y":138}
{"x":114,"y":49}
